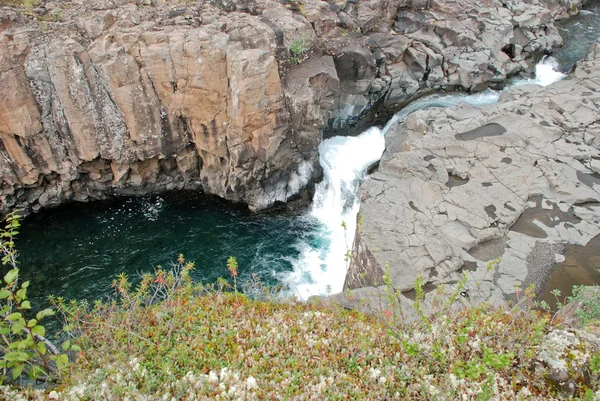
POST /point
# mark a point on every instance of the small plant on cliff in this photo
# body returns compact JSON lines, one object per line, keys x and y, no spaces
{"x":23,"y":343}
{"x":299,"y":51}
{"x":589,"y":312}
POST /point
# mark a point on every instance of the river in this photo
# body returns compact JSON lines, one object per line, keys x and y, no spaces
{"x":76,"y":250}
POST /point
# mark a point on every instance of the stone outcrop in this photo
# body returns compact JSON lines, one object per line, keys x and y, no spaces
{"x":115,"y":98}
{"x":458,"y":187}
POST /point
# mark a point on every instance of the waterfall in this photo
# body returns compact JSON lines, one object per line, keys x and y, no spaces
{"x":547,"y":72}
{"x":321,"y":267}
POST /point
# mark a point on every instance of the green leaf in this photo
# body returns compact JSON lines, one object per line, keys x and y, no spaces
{"x":62,"y":361}
{"x":75,"y":347}
{"x":17,"y":327}
{"x":19,"y":356}
{"x":43,"y":313}
{"x":14,"y":316}
{"x":66,"y":345}
{"x":32,"y":322}
{"x":35,"y":372}
{"x":21,"y":294}
{"x":10,"y":277}
{"x":4,"y":293}
{"x":25,"y":284}
{"x":17,"y":370}
{"x":26,"y":305}
{"x":42,"y":348}
{"x":39,"y":330}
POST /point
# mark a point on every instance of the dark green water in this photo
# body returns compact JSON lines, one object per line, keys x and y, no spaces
{"x":579,"y":34}
{"x":76,"y":250}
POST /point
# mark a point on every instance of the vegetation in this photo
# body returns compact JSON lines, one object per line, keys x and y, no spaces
{"x":22,"y":3}
{"x":170,"y":338}
{"x":299,"y":51}
{"x":589,"y":312}
{"x":23,"y":344}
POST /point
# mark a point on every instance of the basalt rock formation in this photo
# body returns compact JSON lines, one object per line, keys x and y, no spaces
{"x":460,"y":186}
{"x":115,"y":98}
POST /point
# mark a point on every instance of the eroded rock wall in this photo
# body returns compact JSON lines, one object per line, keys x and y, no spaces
{"x":119,"y":97}
{"x":138,"y":110}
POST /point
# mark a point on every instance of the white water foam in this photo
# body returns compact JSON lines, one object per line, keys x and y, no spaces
{"x":322,"y":269}
{"x":547,"y":72}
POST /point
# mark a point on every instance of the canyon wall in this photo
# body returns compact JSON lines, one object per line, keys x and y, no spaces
{"x":123,"y":98}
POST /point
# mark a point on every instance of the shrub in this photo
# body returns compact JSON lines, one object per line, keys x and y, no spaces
{"x":23,"y":345}
{"x":299,"y":51}
{"x":589,"y":311}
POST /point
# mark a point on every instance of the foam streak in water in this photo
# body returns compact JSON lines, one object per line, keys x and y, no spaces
{"x":547,"y":72}
{"x":321,"y":269}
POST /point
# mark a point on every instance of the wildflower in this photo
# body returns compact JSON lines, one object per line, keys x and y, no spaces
{"x":251,"y":383}
{"x":232,"y":266}
{"x":374,"y":373}
{"x":212,"y":377}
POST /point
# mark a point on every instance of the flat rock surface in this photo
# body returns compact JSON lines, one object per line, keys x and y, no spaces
{"x":458,"y":187}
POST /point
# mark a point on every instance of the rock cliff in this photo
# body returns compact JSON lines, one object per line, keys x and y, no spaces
{"x":458,"y":187}
{"x":115,"y":98}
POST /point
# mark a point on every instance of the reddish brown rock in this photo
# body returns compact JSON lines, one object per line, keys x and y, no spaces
{"x":121,"y":97}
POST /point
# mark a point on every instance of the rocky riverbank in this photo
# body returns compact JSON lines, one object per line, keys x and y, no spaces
{"x":458,"y":187}
{"x":118,"y":98}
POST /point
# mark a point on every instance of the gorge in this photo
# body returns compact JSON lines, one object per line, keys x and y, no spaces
{"x":142,"y":123}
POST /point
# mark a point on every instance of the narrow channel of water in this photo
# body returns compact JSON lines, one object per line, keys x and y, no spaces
{"x":76,"y":250}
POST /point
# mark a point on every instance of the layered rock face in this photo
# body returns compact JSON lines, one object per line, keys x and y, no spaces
{"x":460,"y":186}
{"x":119,"y":98}
{"x":117,"y":105}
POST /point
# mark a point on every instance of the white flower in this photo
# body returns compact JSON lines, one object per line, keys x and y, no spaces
{"x":524,"y":393}
{"x":374,"y":373}
{"x":212,"y":377}
{"x":251,"y":383}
